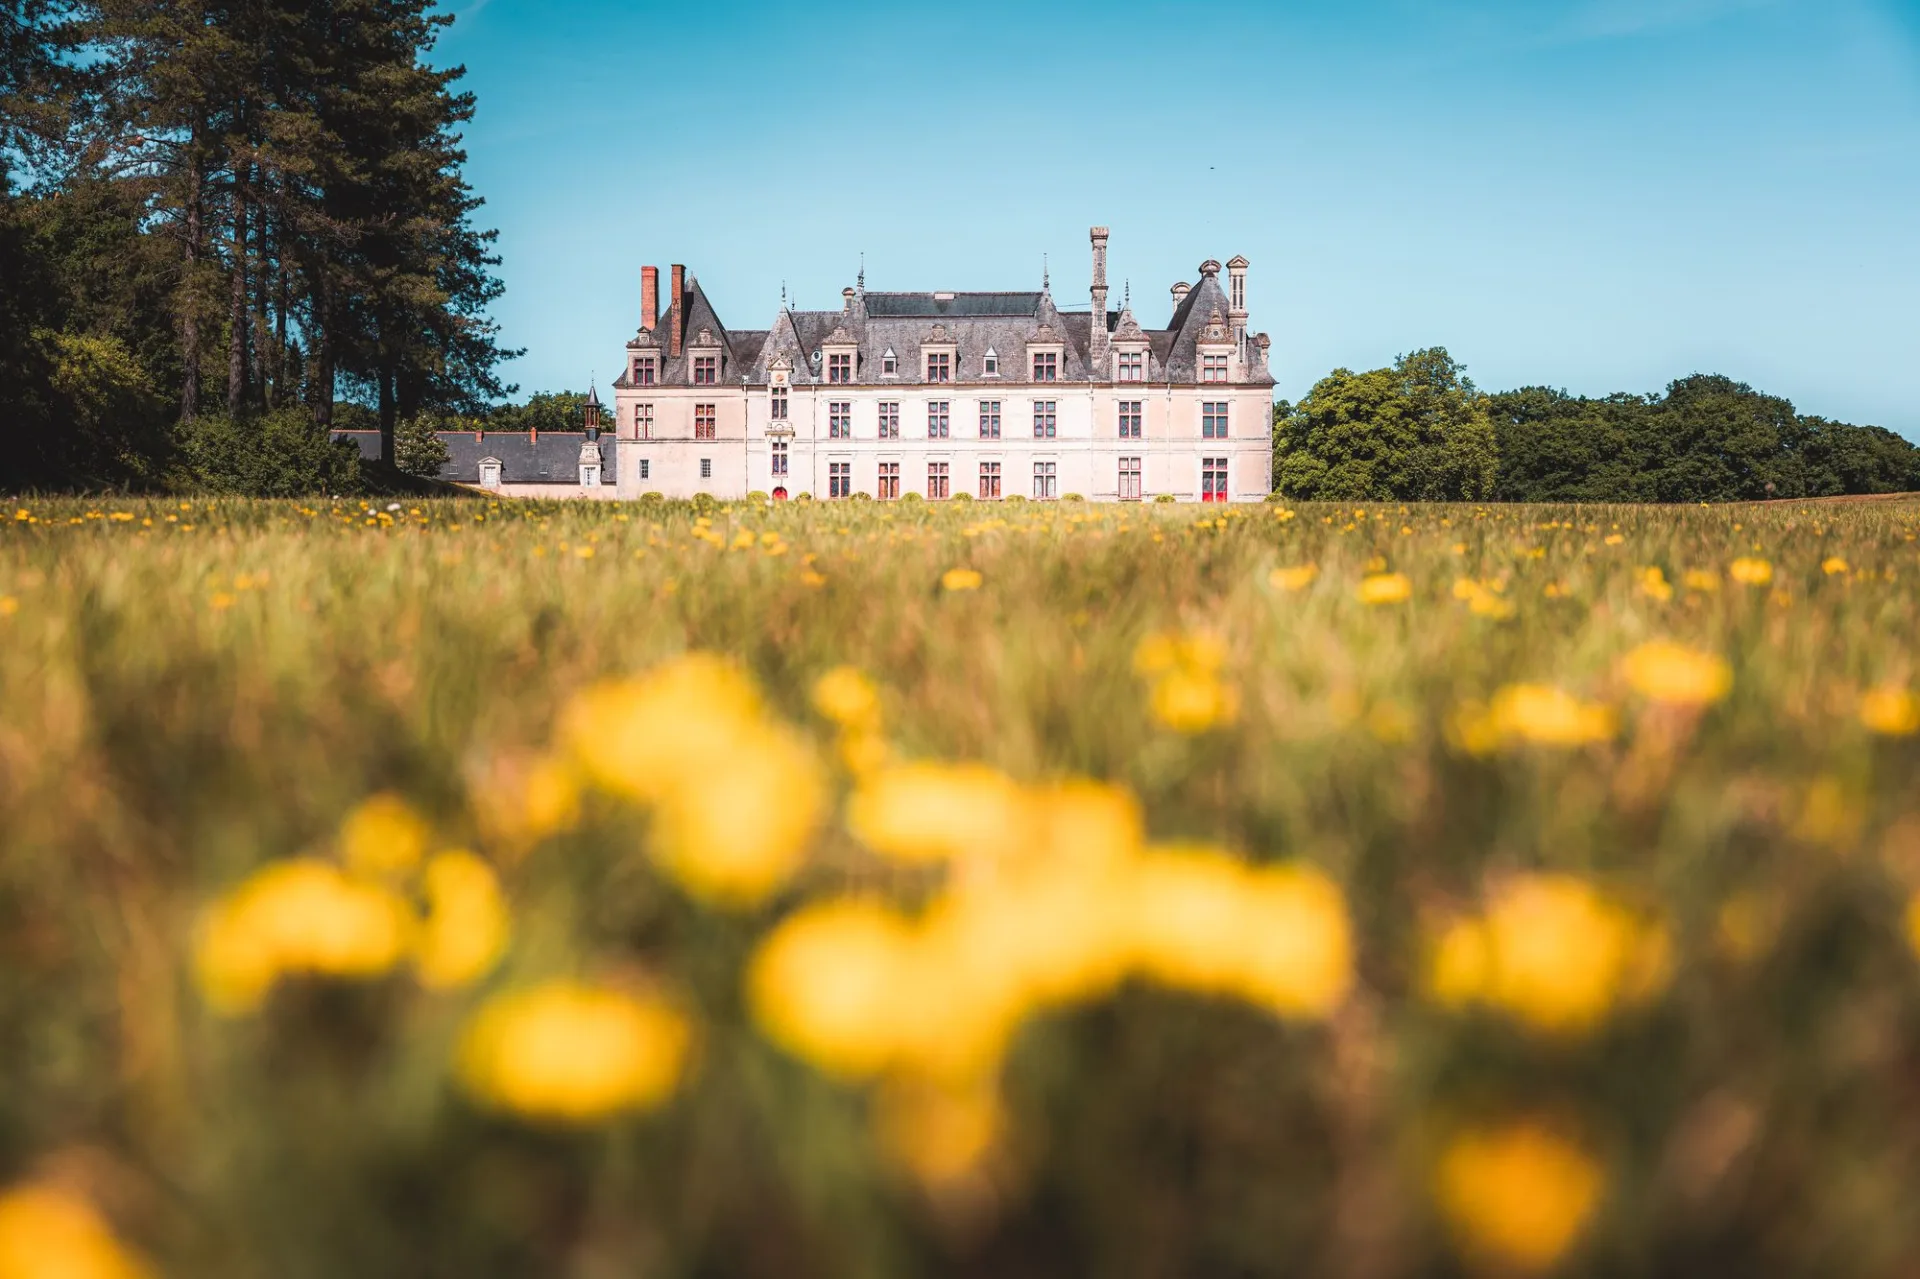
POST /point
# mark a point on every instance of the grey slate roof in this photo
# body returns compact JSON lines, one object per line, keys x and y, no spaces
{"x":553,"y":458}
{"x":938,"y":306}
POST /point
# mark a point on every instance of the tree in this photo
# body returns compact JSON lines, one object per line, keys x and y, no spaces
{"x":418,"y":448}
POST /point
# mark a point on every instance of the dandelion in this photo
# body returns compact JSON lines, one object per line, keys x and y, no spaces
{"x":1613,"y":539}
{"x":1890,"y":712}
{"x":1675,"y":675}
{"x":923,"y":812}
{"x":847,"y":697}
{"x":8,"y":606}
{"x":46,"y":1233}
{"x":466,"y":926}
{"x":960,"y":579}
{"x":1750,"y":571}
{"x":823,"y":985}
{"x":1833,"y":566}
{"x":1385,"y":588}
{"x":569,"y":1053}
{"x":1702,"y":581}
{"x":383,"y":835}
{"x":1192,"y":701}
{"x":296,"y":917}
{"x":1293,"y":580}
{"x":1518,"y":1194}
{"x":1549,"y":716}
{"x":1654,"y":584}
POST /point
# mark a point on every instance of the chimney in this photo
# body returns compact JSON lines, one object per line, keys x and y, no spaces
{"x":649,"y":296}
{"x":679,"y":311}
{"x":1097,"y":344}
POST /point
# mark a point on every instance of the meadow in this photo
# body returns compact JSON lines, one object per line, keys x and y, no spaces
{"x":459,"y":888}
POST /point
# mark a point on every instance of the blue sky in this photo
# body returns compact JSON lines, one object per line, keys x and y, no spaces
{"x":1596,"y":194}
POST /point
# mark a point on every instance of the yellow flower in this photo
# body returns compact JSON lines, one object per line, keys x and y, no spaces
{"x":383,"y":835}
{"x":466,"y":926}
{"x":825,"y":986}
{"x":47,"y":1233}
{"x":1192,"y":701}
{"x":1654,"y":584}
{"x":1460,"y":968}
{"x":570,"y":1053}
{"x":1749,"y":571}
{"x":1159,"y":654}
{"x":921,"y":812}
{"x":1517,"y":1195}
{"x":1704,"y":581}
{"x":1293,"y":580}
{"x":300,"y":916}
{"x":1613,"y":539}
{"x":1482,"y":600}
{"x":1549,"y":716}
{"x":641,"y":737}
{"x":1385,"y":588}
{"x":1561,"y":955}
{"x":1890,"y":712}
{"x":735,"y":834}
{"x":1833,"y":566}
{"x":847,"y":697}
{"x":1913,"y":923}
{"x":960,"y":579}
{"x":1673,"y":674}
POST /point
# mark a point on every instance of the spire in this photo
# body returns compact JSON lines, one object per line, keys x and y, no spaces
{"x":861,"y":279}
{"x":1126,"y":297}
{"x":1046,"y":275}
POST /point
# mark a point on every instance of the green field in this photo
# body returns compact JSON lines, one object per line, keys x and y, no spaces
{"x":1015,"y":889}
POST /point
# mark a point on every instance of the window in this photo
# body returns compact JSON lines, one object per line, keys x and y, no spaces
{"x":1045,"y":480}
{"x":779,"y":457}
{"x":889,"y":420}
{"x":936,"y":480}
{"x":889,"y":486}
{"x":1213,"y":368}
{"x":706,"y":468}
{"x":889,"y":364}
{"x":1130,"y":419}
{"x":703,"y":421}
{"x":989,"y":419}
{"x":840,"y":420}
{"x":1213,"y":420}
{"x":939,"y":366}
{"x":777,"y":404}
{"x":1045,"y":419}
{"x":643,"y":421}
{"x":1129,"y":479}
{"x":590,"y":476}
{"x":839,"y":479}
{"x":705,"y":369}
{"x":1133,"y":366}
{"x":989,"y":480}
{"x":643,"y":372}
{"x":1046,"y":366}
{"x":840,"y":368}
{"x":645,"y":469}
{"x":938,"y":419}
{"x":490,"y":475}
{"x":991,"y":366}
{"x":1213,"y":479}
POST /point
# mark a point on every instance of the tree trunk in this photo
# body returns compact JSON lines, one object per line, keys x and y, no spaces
{"x":323,"y":356}
{"x":265,"y":355}
{"x":190,"y":291}
{"x":387,"y":412}
{"x":282,"y":299}
{"x":238,"y":315}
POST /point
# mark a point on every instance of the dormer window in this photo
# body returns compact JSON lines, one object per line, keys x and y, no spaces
{"x":1046,"y":366}
{"x":991,"y":366}
{"x":706,"y":370}
{"x":490,"y":473}
{"x":840,"y":367}
{"x":1133,"y":366}
{"x":939,"y":366}
{"x":889,"y":364}
{"x":642,"y":371}
{"x":589,"y":475}
{"x":1213,"y":368}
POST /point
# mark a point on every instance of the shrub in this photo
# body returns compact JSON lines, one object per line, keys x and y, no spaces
{"x":911,"y":497}
{"x":283,"y":454}
{"x":654,"y":496}
{"x":1072,"y":497}
{"x":1165,"y":497}
{"x":704,"y":503}
{"x":962,"y":496}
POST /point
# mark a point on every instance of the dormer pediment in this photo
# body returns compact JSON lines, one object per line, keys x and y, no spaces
{"x":644,"y":341}
{"x":839,"y":337}
{"x":705,"y":338}
{"x":1044,"y":336}
{"x":1216,"y":333}
{"x":1128,"y":332}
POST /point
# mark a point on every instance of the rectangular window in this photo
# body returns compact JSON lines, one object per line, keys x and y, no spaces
{"x":989,"y":419}
{"x":989,"y":481}
{"x":939,"y":419}
{"x":1133,"y":366}
{"x":1130,"y":419}
{"x":1213,"y":479}
{"x":889,"y":486}
{"x":937,"y":480}
{"x":991,"y":365}
{"x":840,"y":368}
{"x":889,"y":364}
{"x":1129,"y":479}
{"x":1213,"y":420}
{"x":779,"y":457}
{"x":889,"y":420}
{"x":643,"y":421}
{"x":1045,"y":480}
{"x":706,"y":468}
{"x":839,"y":479}
{"x":643,"y":372}
{"x":1045,"y":419}
{"x":840,"y":420}
{"x":1213,"y":368}
{"x":939,"y":366}
{"x":703,"y":421}
{"x":777,"y":404}
{"x":645,"y":468}
{"x":590,"y":476}
{"x":705,"y":370}
{"x":1046,"y":366}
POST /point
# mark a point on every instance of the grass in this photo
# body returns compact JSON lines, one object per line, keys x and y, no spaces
{"x":193,"y":690}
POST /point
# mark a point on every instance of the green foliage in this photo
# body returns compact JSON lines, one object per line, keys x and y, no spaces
{"x":1165,"y":498}
{"x":282,"y":454}
{"x":1418,"y":431}
{"x":543,"y":411}
{"x":418,"y":449}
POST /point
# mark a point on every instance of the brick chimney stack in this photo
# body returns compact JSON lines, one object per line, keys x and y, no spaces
{"x":649,"y":296}
{"x":679,"y":310}
{"x":1097,"y":346}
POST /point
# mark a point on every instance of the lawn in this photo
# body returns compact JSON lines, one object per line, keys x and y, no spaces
{"x":460,"y":888}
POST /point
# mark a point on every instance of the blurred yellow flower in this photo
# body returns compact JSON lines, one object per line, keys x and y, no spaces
{"x":1549,"y":716}
{"x":1749,"y":571}
{"x":1482,"y":599}
{"x":1293,"y":580}
{"x":1890,"y":712}
{"x":920,"y":812}
{"x":960,"y":579}
{"x":466,"y":925}
{"x":1833,"y":566}
{"x":1913,"y":923}
{"x":847,"y":697}
{"x":1081,"y":824}
{"x":570,"y":1053}
{"x":1613,"y":539}
{"x":301,"y":916}
{"x":1654,"y":584}
{"x":641,"y":737}
{"x":1676,"y":675}
{"x":1385,"y":588}
{"x":825,"y":985}
{"x":1704,"y":581}
{"x":520,"y":802}
{"x":939,"y":1133}
{"x":733,"y":835}
{"x":46,"y":1233}
{"x":383,"y":835}
{"x":1517,"y":1195}
{"x":1192,"y":701}
{"x":1158,"y":654}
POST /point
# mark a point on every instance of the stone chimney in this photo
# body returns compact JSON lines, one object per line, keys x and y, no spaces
{"x":1097,"y":344}
{"x":649,"y":296}
{"x":679,"y":311}
{"x":1237,"y":302}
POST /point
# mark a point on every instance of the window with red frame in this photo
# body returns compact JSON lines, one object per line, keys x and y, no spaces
{"x":889,"y":486}
{"x":703,"y":416}
{"x":706,"y":370}
{"x":1213,"y":479}
{"x":989,"y":480}
{"x":936,"y":480}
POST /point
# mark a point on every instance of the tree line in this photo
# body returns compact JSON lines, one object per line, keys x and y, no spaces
{"x":1421,"y":431}
{"x":221,"y":221}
